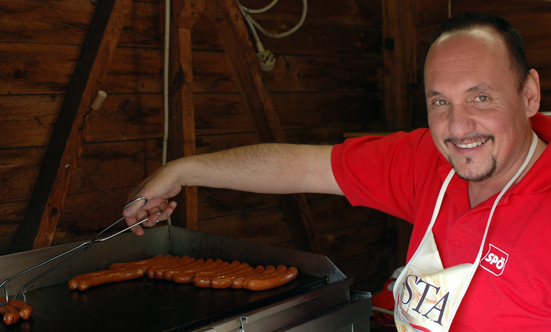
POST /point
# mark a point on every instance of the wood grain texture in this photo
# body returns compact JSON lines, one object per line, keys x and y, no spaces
{"x":181,"y":138}
{"x":231,"y":28}
{"x":328,"y":79}
{"x":46,"y":202}
{"x":399,"y":61}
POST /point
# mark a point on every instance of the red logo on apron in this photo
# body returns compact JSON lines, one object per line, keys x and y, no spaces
{"x":495,"y":260}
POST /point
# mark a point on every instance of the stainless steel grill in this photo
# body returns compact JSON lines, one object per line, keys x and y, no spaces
{"x":318,"y":300}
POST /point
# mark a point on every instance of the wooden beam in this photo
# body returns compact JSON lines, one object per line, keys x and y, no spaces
{"x":233,"y":33}
{"x":45,"y":206}
{"x":399,"y":61}
{"x":181,"y":138}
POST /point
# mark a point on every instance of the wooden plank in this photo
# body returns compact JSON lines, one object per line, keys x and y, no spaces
{"x":112,"y":165}
{"x":364,"y":13}
{"x":106,"y":207}
{"x":18,"y":172}
{"x":23,"y":74}
{"x":181,"y":138}
{"x":335,"y":212}
{"x":25,"y":124}
{"x":320,"y":38}
{"x":133,"y":70}
{"x":347,"y":23}
{"x":369,"y":271}
{"x":216,"y":203}
{"x":123,"y":117}
{"x":46,"y":202}
{"x":315,"y":37}
{"x":11,"y":214}
{"x":115,"y":164}
{"x":403,"y":231}
{"x":234,"y":35}
{"x":45,"y":21}
{"x":311,"y":74}
{"x":264,"y":226}
{"x":399,"y":61}
{"x":540,"y":60}
{"x":502,"y":8}
{"x":364,"y":236}
{"x":136,"y":70}
{"x":67,"y":21}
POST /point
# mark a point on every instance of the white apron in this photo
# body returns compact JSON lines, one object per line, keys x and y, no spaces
{"x":426,"y":295}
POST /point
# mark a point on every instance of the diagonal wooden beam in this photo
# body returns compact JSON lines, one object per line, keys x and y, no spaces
{"x":231,"y":29}
{"x":181,"y":138}
{"x":38,"y":226}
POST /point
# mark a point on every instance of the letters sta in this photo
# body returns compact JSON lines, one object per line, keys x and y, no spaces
{"x":418,"y":285}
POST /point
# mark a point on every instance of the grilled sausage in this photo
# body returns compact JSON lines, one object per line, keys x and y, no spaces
{"x":73,"y":283}
{"x":237,"y":282}
{"x":169,"y":273}
{"x":150,"y":272}
{"x":181,"y":262}
{"x":25,"y":310}
{"x":143,"y":265}
{"x":204,"y":278}
{"x":225,"y":281}
{"x":110,"y":276}
{"x":11,"y":314}
{"x":144,"y":262}
{"x":273,"y":281}
{"x":186,"y":276}
{"x":220,"y":269}
{"x":280,"y":269}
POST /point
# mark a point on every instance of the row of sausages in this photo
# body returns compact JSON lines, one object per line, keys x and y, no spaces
{"x":14,"y":310}
{"x":214,"y":273}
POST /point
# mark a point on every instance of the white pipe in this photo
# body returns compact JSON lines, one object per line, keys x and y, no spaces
{"x":165,"y":79}
{"x":251,"y":20}
{"x":261,"y":10}
{"x":165,"y":85}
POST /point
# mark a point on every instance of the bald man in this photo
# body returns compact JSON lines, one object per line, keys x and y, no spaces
{"x":475,"y":184}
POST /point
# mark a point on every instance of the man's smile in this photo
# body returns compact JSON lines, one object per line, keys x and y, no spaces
{"x":471,"y":145}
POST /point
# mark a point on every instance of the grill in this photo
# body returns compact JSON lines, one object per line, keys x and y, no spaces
{"x":319,"y":299}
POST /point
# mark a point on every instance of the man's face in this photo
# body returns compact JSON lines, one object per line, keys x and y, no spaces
{"x":476,"y":114}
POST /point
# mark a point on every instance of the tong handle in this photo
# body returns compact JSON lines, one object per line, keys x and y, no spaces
{"x":86,"y":246}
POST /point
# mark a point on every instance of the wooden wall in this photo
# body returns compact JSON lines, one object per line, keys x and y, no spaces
{"x":327,"y":81}
{"x":531,"y":18}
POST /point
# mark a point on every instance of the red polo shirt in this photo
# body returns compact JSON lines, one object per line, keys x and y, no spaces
{"x":402,"y":174}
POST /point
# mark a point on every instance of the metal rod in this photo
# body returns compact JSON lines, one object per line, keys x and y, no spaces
{"x":86,"y":246}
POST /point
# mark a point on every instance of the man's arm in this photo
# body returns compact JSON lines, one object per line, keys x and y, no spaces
{"x":263,"y":168}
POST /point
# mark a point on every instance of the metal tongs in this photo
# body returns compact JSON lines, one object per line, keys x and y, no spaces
{"x":79,"y":250}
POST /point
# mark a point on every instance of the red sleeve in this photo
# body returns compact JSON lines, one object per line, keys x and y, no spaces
{"x":542,"y":126}
{"x":382,"y":172}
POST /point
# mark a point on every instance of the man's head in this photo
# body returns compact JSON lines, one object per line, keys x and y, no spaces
{"x":479,"y":97}
{"x":513,"y":40}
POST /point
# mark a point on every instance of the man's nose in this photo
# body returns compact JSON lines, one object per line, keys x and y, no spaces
{"x":461,"y":121}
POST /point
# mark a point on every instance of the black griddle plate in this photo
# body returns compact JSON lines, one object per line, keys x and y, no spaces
{"x":147,"y":305}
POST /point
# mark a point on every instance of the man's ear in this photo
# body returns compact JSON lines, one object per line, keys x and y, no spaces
{"x":532,"y":93}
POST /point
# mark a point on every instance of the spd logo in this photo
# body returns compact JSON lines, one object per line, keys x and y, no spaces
{"x":495,"y":260}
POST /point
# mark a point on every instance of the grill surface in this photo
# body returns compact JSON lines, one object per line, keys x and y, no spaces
{"x":147,"y":305}
{"x":158,"y":305}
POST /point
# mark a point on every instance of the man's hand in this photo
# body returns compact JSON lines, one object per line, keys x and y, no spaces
{"x":158,"y":188}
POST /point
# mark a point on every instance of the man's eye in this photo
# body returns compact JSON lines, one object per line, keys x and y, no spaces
{"x":482,"y":98}
{"x":439,"y":102}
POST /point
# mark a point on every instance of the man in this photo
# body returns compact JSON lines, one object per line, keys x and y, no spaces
{"x":475,"y":185}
